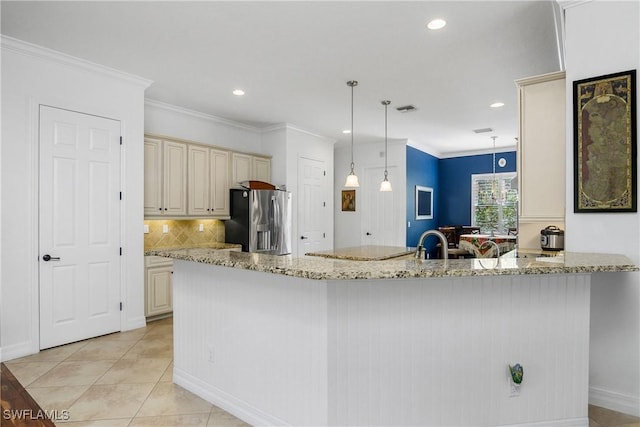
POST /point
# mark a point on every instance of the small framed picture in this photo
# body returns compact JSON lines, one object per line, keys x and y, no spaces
{"x":348,"y":200}
{"x":424,"y":202}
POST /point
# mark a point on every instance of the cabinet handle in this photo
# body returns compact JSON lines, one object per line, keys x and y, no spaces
{"x":159,"y":209}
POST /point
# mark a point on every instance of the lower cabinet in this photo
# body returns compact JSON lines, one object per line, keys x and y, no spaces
{"x":158,"y":290}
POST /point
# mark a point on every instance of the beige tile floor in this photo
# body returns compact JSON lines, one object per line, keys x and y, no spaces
{"x":122,"y":379}
{"x":125,"y":379}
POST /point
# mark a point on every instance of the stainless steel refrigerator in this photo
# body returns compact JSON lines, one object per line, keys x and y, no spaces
{"x":260,"y":221}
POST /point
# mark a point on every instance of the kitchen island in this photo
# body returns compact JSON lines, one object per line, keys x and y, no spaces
{"x":316,"y":341}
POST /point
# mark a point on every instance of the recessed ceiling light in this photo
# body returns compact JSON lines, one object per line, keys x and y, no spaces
{"x":436,"y":24}
{"x":497,"y":105}
{"x":238,"y":92}
{"x":346,"y":131}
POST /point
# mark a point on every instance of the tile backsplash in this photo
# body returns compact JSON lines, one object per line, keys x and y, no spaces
{"x":183,"y":233}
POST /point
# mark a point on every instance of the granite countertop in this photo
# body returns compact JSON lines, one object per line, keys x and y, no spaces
{"x":365,"y":253}
{"x":338,"y":269}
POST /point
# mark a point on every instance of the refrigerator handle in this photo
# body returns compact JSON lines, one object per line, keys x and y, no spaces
{"x":274,"y":225}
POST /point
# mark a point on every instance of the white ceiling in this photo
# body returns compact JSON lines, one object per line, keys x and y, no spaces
{"x":293,"y":59}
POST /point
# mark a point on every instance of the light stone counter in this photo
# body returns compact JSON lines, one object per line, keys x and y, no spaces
{"x":319,"y":268}
{"x":365,"y":253}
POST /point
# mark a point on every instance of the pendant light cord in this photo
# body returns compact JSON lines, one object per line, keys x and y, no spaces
{"x":385,"y":103}
{"x":351,"y":84}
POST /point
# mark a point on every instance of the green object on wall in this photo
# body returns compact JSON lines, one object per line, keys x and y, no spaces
{"x":516,"y":373}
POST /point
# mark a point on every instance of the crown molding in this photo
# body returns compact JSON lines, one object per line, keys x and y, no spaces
{"x":568,"y":4}
{"x":499,"y":150}
{"x":197,"y":114}
{"x":35,"y":51}
{"x":289,"y":126}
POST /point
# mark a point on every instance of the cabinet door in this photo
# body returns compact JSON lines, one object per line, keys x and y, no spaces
{"x":199,"y":181}
{"x":542,"y":148}
{"x":152,"y":176}
{"x":159,"y":291}
{"x":175,"y":178}
{"x":261,"y":169}
{"x":219,"y":187}
{"x":241,"y":169}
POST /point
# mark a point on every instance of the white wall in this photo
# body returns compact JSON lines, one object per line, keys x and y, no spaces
{"x":33,"y":76}
{"x":603,"y":37}
{"x":171,"y":121}
{"x":287,"y":144}
{"x":348,"y":225}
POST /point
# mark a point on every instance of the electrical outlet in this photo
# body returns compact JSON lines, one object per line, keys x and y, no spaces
{"x":514,"y":389}
{"x":211,"y":355}
{"x":165,"y":228}
{"x":146,"y":229}
{"x":200,"y":227}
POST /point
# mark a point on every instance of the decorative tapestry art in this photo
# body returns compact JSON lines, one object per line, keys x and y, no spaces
{"x":605,"y":143}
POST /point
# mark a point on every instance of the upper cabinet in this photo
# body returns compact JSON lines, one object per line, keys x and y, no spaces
{"x":542,"y":148}
{"x":246,"y":167}
{"x":185,"y":179}
{"x":208,"y":181}
{"x":165,"y":184}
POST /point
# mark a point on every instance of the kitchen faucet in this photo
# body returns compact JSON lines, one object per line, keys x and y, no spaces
{"x":491,"y":242}
{"x":443,"y":242}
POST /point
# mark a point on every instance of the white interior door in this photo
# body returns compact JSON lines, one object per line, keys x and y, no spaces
{"x":79,"y":226}
{"x":312,"y":206}
{"x":382,"y":221}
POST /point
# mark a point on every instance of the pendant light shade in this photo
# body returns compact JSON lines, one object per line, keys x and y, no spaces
{"x":352,"y":179}
{"x":385,"y":185}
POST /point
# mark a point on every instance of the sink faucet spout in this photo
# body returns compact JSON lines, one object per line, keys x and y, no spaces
{"x":439,"y":235}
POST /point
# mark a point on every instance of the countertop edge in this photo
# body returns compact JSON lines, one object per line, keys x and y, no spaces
{"x":331,"y":269}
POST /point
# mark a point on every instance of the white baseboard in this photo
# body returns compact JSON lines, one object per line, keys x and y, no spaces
{"x":135,"y":323}
{"x":14,"y":351}
{"x":615,"y":401}
{"x":229,"y":403}
{"x":572,"y":422}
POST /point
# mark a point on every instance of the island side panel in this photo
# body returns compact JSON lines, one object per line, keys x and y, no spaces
{"x":436,"y":351}
{"x":252,"y":343}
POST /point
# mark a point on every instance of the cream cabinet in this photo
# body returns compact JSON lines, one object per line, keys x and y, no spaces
{"x":159,"y":286}
{"x":541,"y":156}
{"x":208,"y":182}
{"x":542,"y":148}
{"x":245,"y":167}
{"x":165,"y":173}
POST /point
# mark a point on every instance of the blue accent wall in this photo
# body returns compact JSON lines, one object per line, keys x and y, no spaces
{"x":454,"y":176}
{"x":451,"y":183}
{"x":422,"y":169}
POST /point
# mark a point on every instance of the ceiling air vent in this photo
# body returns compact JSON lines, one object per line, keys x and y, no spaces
{"x":406,"y":108}
{"x":483,"y":130}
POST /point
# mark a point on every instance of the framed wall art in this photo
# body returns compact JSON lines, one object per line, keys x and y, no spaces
{"x":424,"y":202}
{"x":348,"y":200}
{"x":605,"y":143}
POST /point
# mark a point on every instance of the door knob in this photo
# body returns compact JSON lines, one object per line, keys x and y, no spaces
{"x":47,"y":257}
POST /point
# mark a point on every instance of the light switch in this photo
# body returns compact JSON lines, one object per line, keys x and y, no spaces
{"x":165,"y":228}
{"x":201,"y":227}
{"x":146,"y":229}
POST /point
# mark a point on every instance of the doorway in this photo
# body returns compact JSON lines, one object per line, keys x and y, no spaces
{"x":79,"y":226}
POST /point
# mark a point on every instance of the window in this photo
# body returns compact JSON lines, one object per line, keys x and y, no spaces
{"x":494,"y":203}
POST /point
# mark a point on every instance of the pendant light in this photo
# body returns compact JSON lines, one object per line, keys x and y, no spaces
{"x":385,"y":185}
{"x":352,"y":179}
